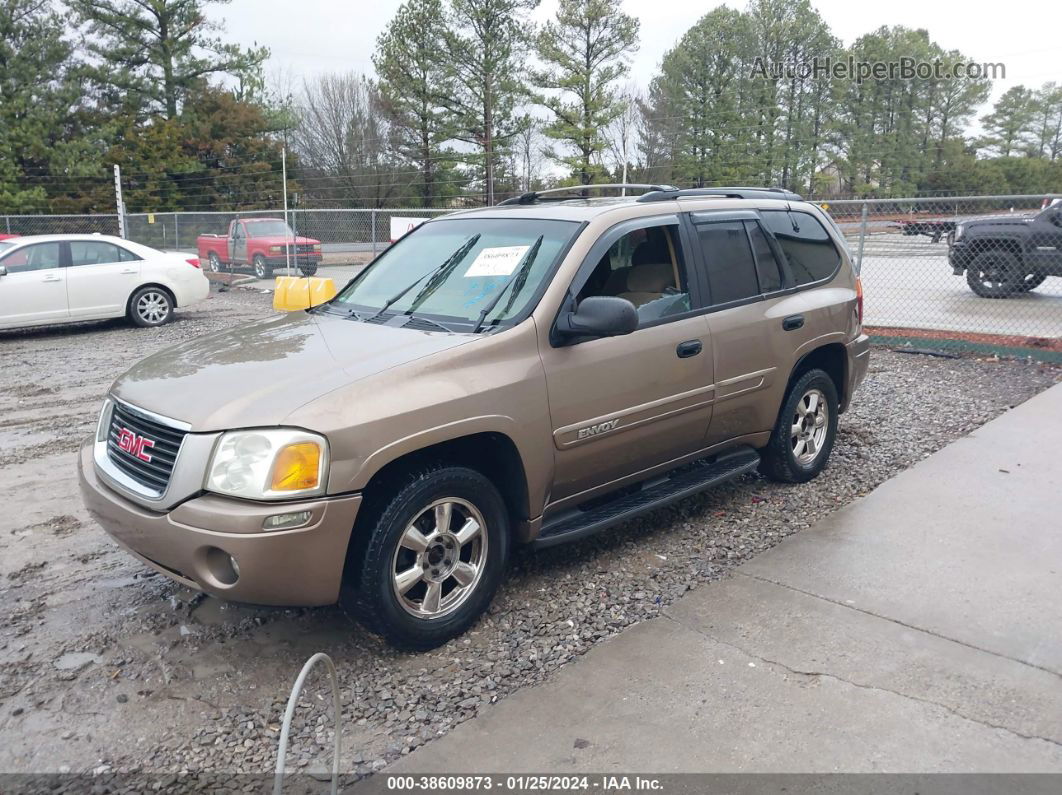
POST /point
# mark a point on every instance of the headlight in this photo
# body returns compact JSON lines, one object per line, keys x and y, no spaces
{"x":959,"y":229}
{"x":276,"y":249}
{"x":316,"y":246}
{"x":268,"y":464}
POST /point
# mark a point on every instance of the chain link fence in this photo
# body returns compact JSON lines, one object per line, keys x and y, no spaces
{"x":957,"y":273}
{"x":960,"y":273}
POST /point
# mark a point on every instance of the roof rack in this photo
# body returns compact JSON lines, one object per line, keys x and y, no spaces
{"x":666,"y":194}
{"x":582,"y":191}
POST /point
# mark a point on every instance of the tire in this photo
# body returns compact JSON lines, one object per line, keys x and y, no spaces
{"x":308,"y":270}
{"x":261,"y":269}
{"x":150,"y":307}
{"x":214,"y":262}
{"x":787,"y":457}
{"x":433,"y":603}
{"x":1032,"y":281}
{"x":996,"y":274}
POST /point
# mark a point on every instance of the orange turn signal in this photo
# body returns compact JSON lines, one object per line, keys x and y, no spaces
{"x":297,"y":467}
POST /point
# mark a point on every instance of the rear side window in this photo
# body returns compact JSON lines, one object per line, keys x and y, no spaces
{"x":91,"y":252}
{"x":807,"y":246}
{"x":127,"y":256}
{"x":728,"y":259}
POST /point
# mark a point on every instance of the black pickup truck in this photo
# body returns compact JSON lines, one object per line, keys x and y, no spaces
{"x":1008,"y":255}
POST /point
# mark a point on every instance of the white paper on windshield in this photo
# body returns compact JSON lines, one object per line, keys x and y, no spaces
{"x":498,"y":261}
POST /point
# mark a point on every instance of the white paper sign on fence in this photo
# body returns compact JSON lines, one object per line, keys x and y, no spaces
{"x":402,"y":226}
{"x":498,"y":261}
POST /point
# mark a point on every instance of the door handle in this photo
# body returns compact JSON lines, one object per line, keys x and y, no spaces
{"x":688,"y":348}
{"x":129,"y":270}
{"x":793,"y":322}
{"x":52,"y":279}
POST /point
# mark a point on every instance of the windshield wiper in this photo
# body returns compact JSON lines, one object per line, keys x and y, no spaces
{"x":519,"y":276}
{"x":450,"y":262}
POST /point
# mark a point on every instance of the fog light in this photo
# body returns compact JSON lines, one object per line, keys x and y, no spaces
{"x":286,"y":521}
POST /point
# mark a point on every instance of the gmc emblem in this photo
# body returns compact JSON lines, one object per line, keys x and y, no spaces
{"x":134,"y":445}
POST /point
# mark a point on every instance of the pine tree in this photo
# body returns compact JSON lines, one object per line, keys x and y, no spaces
{"x":414,"y":85}
{"x":584,"y":51}
{"x":151,"y":53}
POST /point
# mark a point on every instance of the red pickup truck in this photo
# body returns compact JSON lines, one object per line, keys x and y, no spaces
{"x":261,"y":243}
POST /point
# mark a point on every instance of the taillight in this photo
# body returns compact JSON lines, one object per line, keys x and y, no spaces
{"x":859,"y":300}
{"x":194,"y":262}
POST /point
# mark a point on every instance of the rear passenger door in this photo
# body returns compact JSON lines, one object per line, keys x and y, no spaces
{"x":100,"y":278}
{"x":741,"y":273}
{"x":757,"y":266}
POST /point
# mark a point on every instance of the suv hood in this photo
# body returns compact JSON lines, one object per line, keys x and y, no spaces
{"x":258,"y":374}
{"x":1010,"y":219}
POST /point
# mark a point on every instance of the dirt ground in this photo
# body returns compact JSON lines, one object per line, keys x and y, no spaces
{"x":106,"y":667}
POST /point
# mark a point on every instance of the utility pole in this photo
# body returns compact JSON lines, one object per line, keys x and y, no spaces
{"x":119,"y":204}
{"x":284,"y":176}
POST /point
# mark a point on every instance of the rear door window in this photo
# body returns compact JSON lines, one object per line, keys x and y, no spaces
{"x":807,"y":246}
{"x":93,"y":252}
{"x":731,"y":268}
{"x":766,"y":265}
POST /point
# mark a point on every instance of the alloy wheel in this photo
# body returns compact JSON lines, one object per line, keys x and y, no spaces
{"x":440,"y":558}
{"x":809,"y":427}
{"x":152,"y":307}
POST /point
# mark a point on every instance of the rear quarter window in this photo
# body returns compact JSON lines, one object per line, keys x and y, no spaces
{"x":807,"y":245}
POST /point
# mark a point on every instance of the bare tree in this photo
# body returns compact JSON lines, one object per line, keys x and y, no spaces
{"x":344,"y":143}
{"x":621,"y":134}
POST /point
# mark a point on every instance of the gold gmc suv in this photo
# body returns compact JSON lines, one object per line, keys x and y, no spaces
{"x":526,"y":373}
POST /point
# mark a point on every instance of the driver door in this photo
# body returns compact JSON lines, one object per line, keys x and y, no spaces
{"x":1045,"y":240}
{"x":238,"y":245}
{"x":33,"y":291}
{"x":620,"y":405}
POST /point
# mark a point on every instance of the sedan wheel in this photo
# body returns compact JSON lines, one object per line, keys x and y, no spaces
{"x":439,"y":559}
{"x":150,"y":306}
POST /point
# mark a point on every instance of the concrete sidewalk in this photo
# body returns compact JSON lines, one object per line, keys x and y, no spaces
{"x":916,"y":630}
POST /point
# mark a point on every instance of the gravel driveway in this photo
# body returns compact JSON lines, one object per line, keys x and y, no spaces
{"x":105,"y":666}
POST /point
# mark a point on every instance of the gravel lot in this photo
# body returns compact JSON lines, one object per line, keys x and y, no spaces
{"x":106,"y":667}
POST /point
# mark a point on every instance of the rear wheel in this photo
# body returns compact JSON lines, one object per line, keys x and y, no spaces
{"x":436,"y":552}
{"x":150,"y":306}
{"x":996,"y":274}
{"x":261,"y":269}
{"x":803,"y":437}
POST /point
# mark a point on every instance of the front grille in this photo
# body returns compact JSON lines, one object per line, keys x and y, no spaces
{"x":153,"y":466}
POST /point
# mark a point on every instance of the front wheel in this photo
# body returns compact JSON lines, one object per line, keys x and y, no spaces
{"x":150,"y":307}
{"x":261,"y":269}
{"x":996,"y":274}
{"x":803,"y":437}
{"x":436,"y":552}
{"x":214,"y":262}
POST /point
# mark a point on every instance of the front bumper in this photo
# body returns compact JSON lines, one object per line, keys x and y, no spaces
{"x":279,"y":261}
{"x":192,"y":542}
{"x":959,"y":256}
{"x":858,"y":362}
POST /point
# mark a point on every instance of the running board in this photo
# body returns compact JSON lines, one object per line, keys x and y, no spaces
{"x":656,"y":493}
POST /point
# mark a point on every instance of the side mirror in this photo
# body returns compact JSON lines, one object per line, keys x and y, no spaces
{"x":599,"y":316}
{"x":3,"y":270}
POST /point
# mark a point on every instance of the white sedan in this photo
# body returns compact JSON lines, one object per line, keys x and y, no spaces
{"x":68,"y":278}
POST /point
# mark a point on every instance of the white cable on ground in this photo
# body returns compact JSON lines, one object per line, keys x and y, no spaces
{"x":278,"y":778}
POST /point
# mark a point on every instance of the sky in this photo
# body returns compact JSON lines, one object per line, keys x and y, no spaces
{"x":313,"y":36}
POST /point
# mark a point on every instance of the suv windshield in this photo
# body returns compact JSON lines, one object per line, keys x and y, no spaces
{"x":268,"y":229}
{"x":454,"y":270}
